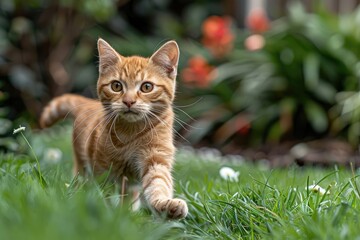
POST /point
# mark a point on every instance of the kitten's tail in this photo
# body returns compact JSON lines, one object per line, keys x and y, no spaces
{"x":60,"y":108}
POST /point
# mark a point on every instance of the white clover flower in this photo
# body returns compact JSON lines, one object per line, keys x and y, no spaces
{"x":52,"y":155}
{"x":317,"y":189}
{"x":229,"y":174}
{"x":19,"y":129}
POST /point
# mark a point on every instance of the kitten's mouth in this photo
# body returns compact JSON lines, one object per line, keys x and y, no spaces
{"x":131,"y":116}
{"x":130,"y":112}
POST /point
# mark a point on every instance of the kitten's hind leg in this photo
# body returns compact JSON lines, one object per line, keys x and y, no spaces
{"x":136,"y":199}
{"x":78,"y":167}
{"x":158,"y":192}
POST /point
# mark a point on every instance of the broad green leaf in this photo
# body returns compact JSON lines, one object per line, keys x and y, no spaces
{"x":325,"y":92}
{"x":199,"y":130}
{"x":5,"y":126}
{"x":354,"y":133}
{"x":275,"y":132}
{"x":316,"y":115}
{"x":311,"y":71}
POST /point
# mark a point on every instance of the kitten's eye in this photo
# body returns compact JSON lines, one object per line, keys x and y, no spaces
{"x":116,"y":86}
{"x":146,"y":87}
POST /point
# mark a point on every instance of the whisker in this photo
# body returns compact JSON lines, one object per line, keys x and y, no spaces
{"x":182,"y":123}
{"x":185,"y":113}
{"x":109,"y":135}
{"x":82,"y":121}
{"x":145,"y":123}
{"x":98,"y":111}
{"x":94,"y":112}
{"x":109,"y":119}
{"x":113,"y":128}
{"x":100,"y":122}
{"x":80,"y":105}
{"x":152,"y":131}
{"x":189,"y":105}
{"x":166,"y":125}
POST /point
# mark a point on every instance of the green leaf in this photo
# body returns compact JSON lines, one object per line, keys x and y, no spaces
{"x":317,"y":116}
{"x":311,"y":71}
{"x":5,"y":126}
{"x":200,"y":129}
{"x":354,"y":133}
{"x":275,"y":132}
{"x":325,"y":92}
{"x":297,"y":13}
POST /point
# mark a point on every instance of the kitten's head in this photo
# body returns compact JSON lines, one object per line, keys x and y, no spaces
{"x":135,"y":87}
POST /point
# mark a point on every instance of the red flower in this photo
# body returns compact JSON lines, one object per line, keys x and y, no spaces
{"x":198,"y":72}
{"x":217,"y":35}
{"x":243,"y":125}
{"x":257,"y":21}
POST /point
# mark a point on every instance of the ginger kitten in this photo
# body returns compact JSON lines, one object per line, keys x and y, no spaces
{"x":129,"y":130}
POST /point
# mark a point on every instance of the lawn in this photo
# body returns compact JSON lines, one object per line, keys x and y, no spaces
{"x":264,"y":204}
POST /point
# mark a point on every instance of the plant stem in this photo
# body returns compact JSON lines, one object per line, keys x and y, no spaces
{"x":36,"y":159}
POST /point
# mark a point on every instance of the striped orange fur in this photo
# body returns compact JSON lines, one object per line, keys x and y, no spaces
{"x":129,"y":130}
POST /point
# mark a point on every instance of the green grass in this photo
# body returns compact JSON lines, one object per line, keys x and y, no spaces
{"x":264,"y":204}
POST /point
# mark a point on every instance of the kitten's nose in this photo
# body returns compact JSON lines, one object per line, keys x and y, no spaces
{"x":129,"y":103}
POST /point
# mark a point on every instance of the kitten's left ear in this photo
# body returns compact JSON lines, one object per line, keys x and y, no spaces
{"x":167,"y":57}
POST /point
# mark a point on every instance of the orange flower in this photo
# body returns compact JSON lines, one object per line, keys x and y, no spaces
{"x":217,"y":35}
{"x":257,"y":21}
{"x":198,"y":72}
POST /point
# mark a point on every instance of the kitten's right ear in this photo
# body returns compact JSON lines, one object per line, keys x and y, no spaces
{"x":108,"y":57}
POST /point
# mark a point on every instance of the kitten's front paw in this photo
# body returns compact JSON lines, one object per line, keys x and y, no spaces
{"x":174,"y":208}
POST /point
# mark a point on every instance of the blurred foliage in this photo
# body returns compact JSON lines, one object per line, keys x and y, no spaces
{"x":293,"y":78}
{"x":5,"y":124}
{"x":297,"y":80}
